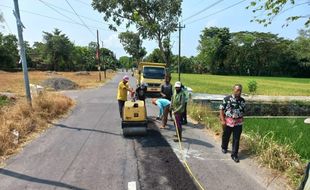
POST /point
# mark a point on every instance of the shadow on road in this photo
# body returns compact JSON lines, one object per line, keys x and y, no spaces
{"x":190,"y":140}
{"x":159,"y":167}
{"x":37,"y":180}
{"x":197,"y":142}
{"x":152,"y":139}
{"x":84,"y":129}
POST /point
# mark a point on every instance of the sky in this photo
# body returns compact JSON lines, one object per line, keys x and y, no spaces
{"x":45,"y":15}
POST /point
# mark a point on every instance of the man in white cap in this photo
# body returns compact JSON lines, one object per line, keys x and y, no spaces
{"x":123,"y":88}
{"x":177,"y":107}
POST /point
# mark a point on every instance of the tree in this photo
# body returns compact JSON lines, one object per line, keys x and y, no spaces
{"x":37,"y":56}
{"x":109,"y":58}
{"x":126,"y":62}
{"x":106,"y":56}
{"x":83,"y":59}
{"x":132,"y":45}
{"x":273,"y":8}
{"x":256,"y":53}
{"x":155,"y":19}
{"x":155,"y":56}
{"x":212,"y":48}
{"x":58,"y":50}
{"x":302,"y":46}
{"x":8,"y":52}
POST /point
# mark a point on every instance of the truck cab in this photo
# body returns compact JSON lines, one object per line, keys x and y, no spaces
{"x":152,"y":74}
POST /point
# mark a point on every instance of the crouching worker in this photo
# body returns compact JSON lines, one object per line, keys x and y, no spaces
{"x":164,"y":107}
{"x":123,"y":88}
{"x":177,"y":107}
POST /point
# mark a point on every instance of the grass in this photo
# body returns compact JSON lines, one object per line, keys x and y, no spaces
{"x":24,"y":122}
{"x":217,"y":84}
{"x":14,"y":82}
{"x":3,"y":101}
{"x":291,"y":131}
{"x":280,"y":144}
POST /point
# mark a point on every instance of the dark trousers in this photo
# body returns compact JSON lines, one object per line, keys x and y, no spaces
{"x":184,"y":114}
{"x":236,"y":130}
{"x":121,"y":104}
{"x":170,"y":112}
{"x":165,"y":115}
{"x":178,"y":123}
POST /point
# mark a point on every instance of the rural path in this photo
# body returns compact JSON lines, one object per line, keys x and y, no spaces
{"x":87,"y":151}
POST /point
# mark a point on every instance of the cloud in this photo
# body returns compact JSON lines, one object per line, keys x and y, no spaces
{"x":210,"y":23}
{"x":112,"y":42}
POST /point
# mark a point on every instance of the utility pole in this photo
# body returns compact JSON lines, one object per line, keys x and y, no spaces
{"x":104,"y":65}
{"x":98,"y":56}
{"x":22,"y":52}
{"x":179,"y":58}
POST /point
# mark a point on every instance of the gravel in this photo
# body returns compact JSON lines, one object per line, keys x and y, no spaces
{"x":60,"y":84}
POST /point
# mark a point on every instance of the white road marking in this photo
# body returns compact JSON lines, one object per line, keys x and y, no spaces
{"x":132,"y":185}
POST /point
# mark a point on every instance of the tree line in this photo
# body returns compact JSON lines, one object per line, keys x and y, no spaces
{"x":56,"y":52}
{"x":245,"y":53}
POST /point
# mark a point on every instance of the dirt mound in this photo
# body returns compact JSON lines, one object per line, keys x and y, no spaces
{"x":82,"y":73}
{"x":60,"y":84}
{"x":51,"y":73}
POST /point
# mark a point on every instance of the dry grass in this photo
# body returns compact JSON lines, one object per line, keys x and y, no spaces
{"x":14,"y":82}
{"x":25,"y":121}
{"x":204,"y":115}
{"x":273,"y":155}
{"x":281,"y":157}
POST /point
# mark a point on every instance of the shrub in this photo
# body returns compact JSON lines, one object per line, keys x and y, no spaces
{"x":252,"y":85}
{"x":23,"y":120}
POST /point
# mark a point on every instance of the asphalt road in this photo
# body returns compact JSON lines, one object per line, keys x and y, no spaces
{"x":87,"y":151}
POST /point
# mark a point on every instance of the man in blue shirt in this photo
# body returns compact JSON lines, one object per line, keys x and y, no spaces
{"x":164,"y":106}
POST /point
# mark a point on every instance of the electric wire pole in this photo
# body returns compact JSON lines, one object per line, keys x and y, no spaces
{"x":179,"y":58}
{"x":22,"y":52}
{"x":98,"y":56}
{"x":104,"y":65}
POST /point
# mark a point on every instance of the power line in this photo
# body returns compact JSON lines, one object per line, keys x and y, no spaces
{"x":88,"y":18}
{"x":58,"y":19}
{"x":206,"y":8}
{"x":74,"y":12}
{"x":56,"y":10}
{"x":82,"y":2}
{"x":222,"y":10}
{"x":199,"y":3}
{"x":81,"y":19}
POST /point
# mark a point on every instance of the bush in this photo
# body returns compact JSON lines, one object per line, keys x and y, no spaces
{"x":23,"y":120}
{"x":252,"y":85}
{"x":204,"y":115}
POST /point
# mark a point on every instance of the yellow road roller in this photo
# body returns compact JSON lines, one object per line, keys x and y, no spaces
{"x":134,"y":118}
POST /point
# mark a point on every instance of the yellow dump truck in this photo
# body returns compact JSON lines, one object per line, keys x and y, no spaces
{"x":152,"y":74}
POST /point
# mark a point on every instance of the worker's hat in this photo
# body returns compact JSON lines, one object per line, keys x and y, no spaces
{"x":126,"y":78}
{"x":177,"y":84}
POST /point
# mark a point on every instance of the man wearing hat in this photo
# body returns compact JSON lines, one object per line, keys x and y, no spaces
{"x":177,"y":107}
{"x":123,"y":88}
